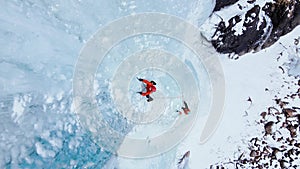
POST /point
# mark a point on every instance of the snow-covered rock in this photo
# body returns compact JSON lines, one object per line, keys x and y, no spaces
{"x":244,"y":26}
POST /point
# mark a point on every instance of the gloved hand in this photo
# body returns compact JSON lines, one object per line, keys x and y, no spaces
{"x":139,"y":79}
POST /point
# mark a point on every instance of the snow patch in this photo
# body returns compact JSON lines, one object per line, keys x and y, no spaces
{"x":18,"y":108}
{"x":43,"y":152}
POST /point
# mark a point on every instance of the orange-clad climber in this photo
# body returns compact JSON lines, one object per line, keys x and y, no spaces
{"x":150,"y":88}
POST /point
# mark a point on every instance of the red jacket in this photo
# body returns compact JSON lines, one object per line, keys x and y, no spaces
{"x":150,"y":88}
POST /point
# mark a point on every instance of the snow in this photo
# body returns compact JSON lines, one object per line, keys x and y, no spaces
{"x":265,"y":75}
{"x":246,"y":77}
{"x":43,"y":152}
{"x":239,"y":26}
{"x":42,"y":40}
{"x":18,"y":108}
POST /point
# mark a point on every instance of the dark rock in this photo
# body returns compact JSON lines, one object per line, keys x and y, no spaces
{"x":282,"y":163}
{"x":298,"y":118}
{"x":283,"y":20}
{"x":288,"y":112}
{"x":274,"y":152}
{"x":268,"y":127}
{"x":277,"y":19}
{"x":263,"y":114}
{"x":251,"y":1}
{"x":223,"y":3}
{"x":254,"y":153}
{"x":228,"y":42}
{"x":296,"y":41}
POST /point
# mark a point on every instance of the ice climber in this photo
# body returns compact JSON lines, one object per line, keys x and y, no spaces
{"x":150,"y":88}
{"x":185,"y":109}
{"x":184,"y":161}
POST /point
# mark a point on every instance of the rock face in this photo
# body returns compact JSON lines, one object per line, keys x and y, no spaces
{"x":285,"y":16}
{"x":255,"y":25}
